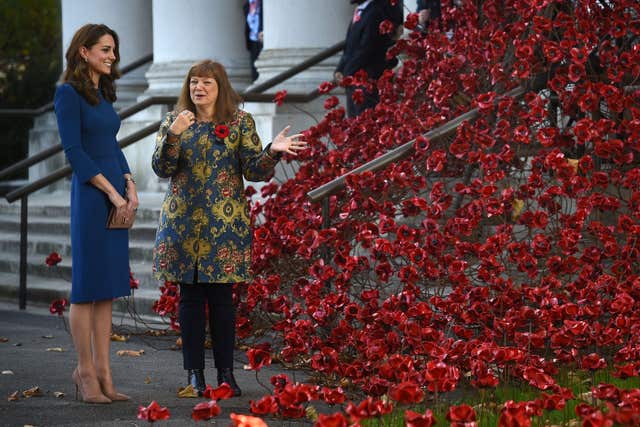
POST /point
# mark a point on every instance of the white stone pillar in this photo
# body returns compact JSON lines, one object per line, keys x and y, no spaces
{"x":295,"y":30}
{"x":131,"y":20}
{"x":192,"y":30}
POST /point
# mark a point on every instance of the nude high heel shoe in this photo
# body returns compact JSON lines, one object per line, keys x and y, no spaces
{"x":98,"y":398}
{"x":112,"y":394}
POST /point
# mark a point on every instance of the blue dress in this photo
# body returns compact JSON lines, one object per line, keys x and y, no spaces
{"x":100,"y":256}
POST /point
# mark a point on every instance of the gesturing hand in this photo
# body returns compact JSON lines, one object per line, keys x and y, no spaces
{"x":182,"y":122}
{"x":288,"y":144}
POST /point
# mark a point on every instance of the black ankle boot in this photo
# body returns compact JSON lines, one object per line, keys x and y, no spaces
{"x":195,"y":377}
{"x":225,"y":375}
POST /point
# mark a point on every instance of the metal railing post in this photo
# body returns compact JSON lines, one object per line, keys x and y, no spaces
{"x":326,"y":222}
{"x":22,"y":292}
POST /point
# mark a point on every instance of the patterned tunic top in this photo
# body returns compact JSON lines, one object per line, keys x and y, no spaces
{"x":204,"y":219}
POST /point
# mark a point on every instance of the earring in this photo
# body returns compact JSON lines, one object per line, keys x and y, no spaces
{"x":85,"y":59}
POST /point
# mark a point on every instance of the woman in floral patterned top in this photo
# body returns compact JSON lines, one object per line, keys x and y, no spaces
{"x":203,"y":242}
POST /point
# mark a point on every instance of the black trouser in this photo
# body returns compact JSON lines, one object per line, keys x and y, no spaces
{"x":222,"y":323}
{"x":255,"y":47}
{"x":371,"y":99}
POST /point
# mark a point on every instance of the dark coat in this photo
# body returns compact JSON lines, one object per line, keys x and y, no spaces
{"x":365,"y":47}
{"x":432,"y":5}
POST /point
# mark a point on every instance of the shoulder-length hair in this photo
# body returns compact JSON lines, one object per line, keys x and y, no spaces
{"x":77,"y":71}
{"x":228,"y":99}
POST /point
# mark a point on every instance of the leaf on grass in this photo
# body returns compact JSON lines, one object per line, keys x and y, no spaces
{"x":119,"y":338}
{"x":56,"y":349}
{"x":132,"y":353}
{"x":14,"y":396}
{"x":58,"y":394}
{"x":187,"y":391}
{"x":7,"y":372}
{"x":32,"y":392}
{"x":147,"y":380}
{"x":4,"y":339}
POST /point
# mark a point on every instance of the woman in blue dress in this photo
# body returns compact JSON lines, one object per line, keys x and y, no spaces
{"x":203,"y":242}
{"x":101,"y":178}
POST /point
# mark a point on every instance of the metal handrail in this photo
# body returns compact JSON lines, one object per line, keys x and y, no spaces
{"x":313,"y":60}
{"x":401,"y":152}
{"x":23,"y":192}
{"x":66,"y":170}
{"x":251,"y":95}
{"x":51,"y":151}
{"x":32,"y":112}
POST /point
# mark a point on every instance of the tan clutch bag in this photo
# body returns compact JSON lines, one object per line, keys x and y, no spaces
{"x":114,"y":222}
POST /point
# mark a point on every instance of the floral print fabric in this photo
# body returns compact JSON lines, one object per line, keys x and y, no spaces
{"x":204,"y":219}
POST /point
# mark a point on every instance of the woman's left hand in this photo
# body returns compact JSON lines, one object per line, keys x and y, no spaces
{"x":288,"y":144}
{"x":132,"y":196}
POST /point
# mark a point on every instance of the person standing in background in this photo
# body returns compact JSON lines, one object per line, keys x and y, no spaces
{"x":253,"y":32}
{"x":365,"y":49}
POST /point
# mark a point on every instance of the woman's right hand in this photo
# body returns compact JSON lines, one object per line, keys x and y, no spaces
{"x":183,"y":120}
{"x":123,"y":209}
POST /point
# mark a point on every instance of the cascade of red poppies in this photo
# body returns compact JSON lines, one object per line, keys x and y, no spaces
{"x":502,"y":251}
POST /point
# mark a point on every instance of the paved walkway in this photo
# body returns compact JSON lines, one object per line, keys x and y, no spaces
{"x":156,"y":375}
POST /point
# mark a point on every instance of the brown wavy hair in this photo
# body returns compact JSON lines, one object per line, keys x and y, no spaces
{"x":77,"y":71}
{"x":228,"y":99}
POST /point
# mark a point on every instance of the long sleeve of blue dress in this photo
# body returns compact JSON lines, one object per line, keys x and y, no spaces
{"x":68,"y":113}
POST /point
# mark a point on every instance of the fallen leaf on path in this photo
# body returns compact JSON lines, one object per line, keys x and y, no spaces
{"x":311,"y":413}
{"x":56,"y":349}
{"x":132,"y":353}
{"x":187,"y":391}
{"x":32,"y":392}
{"x":147,"y":380}
{"x":119,"y":338}
{"x":4,"y":339}
{"x":58,"y":394}
{"x":7,"y":372}
{"x":14,"y":396}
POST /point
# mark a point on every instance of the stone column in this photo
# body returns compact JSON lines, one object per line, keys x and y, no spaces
{"x":296,"y":30}
{"x":131,"y":20}
{"x":293,"y":32}
{"x":191,"y":30}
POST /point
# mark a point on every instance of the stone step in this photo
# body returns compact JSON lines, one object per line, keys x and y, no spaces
{"x":43,"y":244}
{"x":57,"y":205}
{"x":141,"y":230}
{"x":36,"y":266}
{"x":42,"y":291}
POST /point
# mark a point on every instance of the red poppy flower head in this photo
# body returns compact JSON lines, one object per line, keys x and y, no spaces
{"x":153,"y":412}
{"x":53,"y":259}
{"x":58,"y":306}
{"x":224,"y":391}
{"x":221,"y":131}
{"x":133,"y":282}
{"x":280,"y":96}
{"x":205,"y":411}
